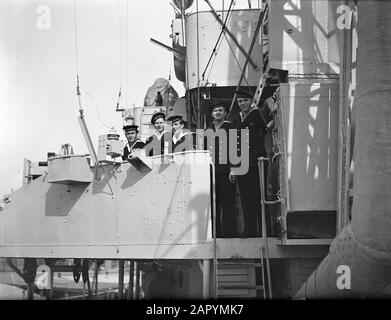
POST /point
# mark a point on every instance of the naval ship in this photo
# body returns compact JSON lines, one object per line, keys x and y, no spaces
{"x":144,"y":229}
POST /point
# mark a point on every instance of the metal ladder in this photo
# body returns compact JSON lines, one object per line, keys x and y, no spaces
{"x":238,"y":279}
{"x":261,"y":85}
{"x":264,"y":202}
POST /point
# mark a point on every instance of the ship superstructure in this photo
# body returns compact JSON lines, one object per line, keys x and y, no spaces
{"x":157,"y":215}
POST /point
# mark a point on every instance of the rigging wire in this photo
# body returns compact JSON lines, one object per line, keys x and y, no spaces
{"x":97,"y":109}
{"x":126,"y":53}
{"x":169,"y":90}
{"x":210,"y":69}
{"x":77,"y":59}
{"x":187,"y":94}
{"x":238,"y":64}
{"x":123,"y":56}
{"x":120,"y":54}
{"x":176,"y":11}
{"x":218,"y":39}
{"x":76,"y":46}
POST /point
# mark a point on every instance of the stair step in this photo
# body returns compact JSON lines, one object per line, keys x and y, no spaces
{"x":243,"y":294}
{"x":233,"y":277}
{"x":241,"y":287}
{"x":235,"y":264}
{"x":238,"y":279}
{"x":233,"y":270}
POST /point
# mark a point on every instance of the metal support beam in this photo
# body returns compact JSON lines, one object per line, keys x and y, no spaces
{"x":121,"y":267}
{"x":87,"y":138}
{"x":166,"y":47}
{"x":50,"y":291}
{"x":215,"y":270}
{"x":343,"y":129}
{"x":30,"y":291}
{"x":231,"y":35}
{"x":96,"y":279}
{"x":131,"y":281}
{"x":206,"y":279}
{"x":137,"y":290}
{"x":29,"y":285}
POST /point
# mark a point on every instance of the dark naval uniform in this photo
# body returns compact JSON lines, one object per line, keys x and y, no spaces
{"x":225,"y":190}
{"x":185,"y":142}
{"x":248,"y":183}
{"x":138,"y":144}
{"x":159,"y":144}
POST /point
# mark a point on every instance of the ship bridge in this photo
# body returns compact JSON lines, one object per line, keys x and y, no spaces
{"x":119,"y":211}
{"x":152,"y":209}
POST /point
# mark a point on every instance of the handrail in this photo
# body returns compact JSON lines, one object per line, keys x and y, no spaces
{"x":215,"y":286}
{"x":261,"y":167}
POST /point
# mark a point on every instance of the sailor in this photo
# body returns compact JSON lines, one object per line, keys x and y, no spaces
{"x":134,"y":143}
{"x":159,"y":99}
{"x":159,"y":142}
{"x":224,"y":189}
{"x":182,"y":139}
{"x":251,"y":118}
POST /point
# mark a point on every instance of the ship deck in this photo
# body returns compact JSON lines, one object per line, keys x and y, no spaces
{"x":226,"y":248}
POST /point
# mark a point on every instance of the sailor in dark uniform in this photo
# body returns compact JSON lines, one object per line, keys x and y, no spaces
{"x":159,"y":99}
{"x":224,"y":189}
{"x":253,"y":119}
{"x":182,"y":139}
{"x":134,"y":143}
{"x":159,"y":142}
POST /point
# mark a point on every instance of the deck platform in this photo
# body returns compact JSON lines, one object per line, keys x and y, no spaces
{"x":235,"y":248}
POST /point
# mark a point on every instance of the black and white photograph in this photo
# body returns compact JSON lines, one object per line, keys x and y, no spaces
{"x":213,"y":152}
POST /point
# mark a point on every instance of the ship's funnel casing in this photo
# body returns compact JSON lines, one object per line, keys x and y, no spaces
{"x":301,"y":37}
{"x":225,"y":66}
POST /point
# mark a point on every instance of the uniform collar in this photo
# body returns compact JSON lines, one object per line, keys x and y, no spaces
{"x":222,"y":123}
{"x":160,"y":135}
{"x":244,"y":117}
{"x":183,"y":133}
{"x":130,"y":147}
{"x":211,"y":125}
